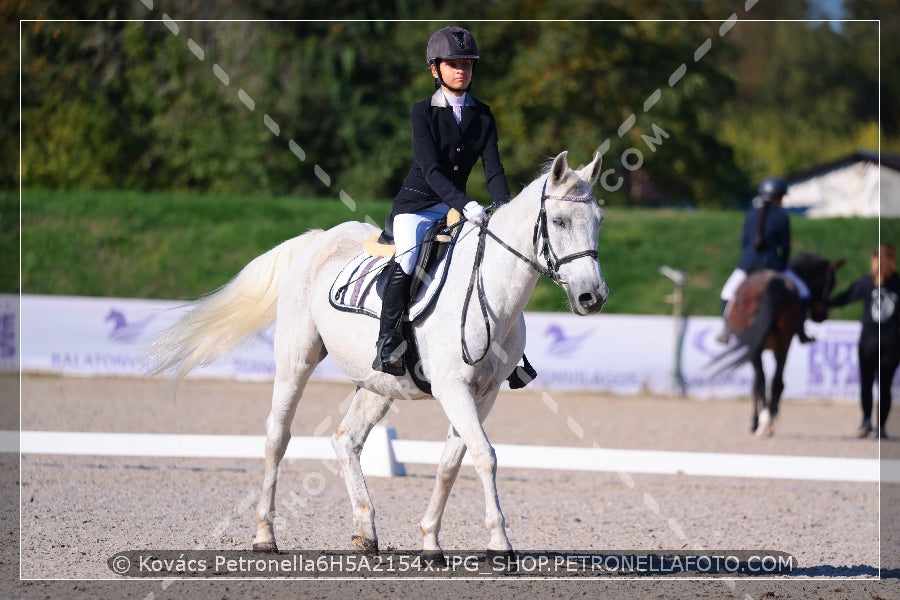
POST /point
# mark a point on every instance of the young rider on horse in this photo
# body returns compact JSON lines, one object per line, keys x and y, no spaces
{"x":450,"y":131}
{"x":766,"y":244}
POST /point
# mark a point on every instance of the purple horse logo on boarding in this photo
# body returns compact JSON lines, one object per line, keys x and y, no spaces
{"x":125,"y":331}
{"x":562,"y":344}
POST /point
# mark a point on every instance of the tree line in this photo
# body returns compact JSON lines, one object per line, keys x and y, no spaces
{"x":692,"y":108}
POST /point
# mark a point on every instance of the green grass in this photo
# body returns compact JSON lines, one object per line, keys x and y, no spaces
{"x":158,"y":245}
{"x":180,"y":246}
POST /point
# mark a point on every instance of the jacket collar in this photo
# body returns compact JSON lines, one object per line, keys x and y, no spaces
{"x":439,"y":100}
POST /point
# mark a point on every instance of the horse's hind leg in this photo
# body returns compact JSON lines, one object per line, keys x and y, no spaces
{"x":365,"y":411}
{"x":293,"y":366}
{"x":763,"y":411}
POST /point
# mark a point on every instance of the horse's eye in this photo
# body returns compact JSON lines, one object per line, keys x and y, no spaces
{"x":559,"y":222}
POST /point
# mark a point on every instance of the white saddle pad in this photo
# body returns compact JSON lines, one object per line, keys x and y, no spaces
{"x":354,"y":287}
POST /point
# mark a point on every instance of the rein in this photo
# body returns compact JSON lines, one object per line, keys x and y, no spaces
{"x":541,"y":236}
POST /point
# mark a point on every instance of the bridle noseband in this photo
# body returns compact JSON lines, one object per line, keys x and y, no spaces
{"x":541,"y":241}
{"x":542,"y":235}
{"x":542,"y":248}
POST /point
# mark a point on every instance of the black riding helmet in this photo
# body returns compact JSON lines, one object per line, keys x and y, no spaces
{"x":450,"y":43}
{"x":772,"y":187}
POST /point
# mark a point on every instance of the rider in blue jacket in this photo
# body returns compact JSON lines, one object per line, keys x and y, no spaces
{"x":451,"y":130}
{"x":766,"y":244}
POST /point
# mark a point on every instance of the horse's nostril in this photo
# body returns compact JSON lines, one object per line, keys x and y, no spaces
{"x":586,"y":299}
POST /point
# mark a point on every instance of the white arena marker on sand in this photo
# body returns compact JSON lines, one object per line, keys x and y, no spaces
{"x":378,"y":457}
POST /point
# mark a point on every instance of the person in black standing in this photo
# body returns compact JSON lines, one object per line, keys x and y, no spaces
{"x":880,"y":320}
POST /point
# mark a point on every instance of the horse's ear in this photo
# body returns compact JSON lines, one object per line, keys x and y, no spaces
{"x":838,"y":264}
{"x":560,"y":168}
{"x":592,"y":171}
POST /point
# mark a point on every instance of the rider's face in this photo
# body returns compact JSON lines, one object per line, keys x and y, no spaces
{"x":456,"y":73}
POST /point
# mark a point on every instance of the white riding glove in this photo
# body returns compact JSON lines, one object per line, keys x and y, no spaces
{"x":475,"y":213}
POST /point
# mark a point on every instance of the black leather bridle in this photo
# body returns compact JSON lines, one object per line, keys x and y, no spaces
{"x":542,"y":248}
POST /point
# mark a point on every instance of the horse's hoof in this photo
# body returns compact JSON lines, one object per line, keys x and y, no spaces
{"x":434,"y":559}
{"x":501,"y":560}
{"x":265,"y":548}
{"x":369,"y":547}
{"x":766,"y":431}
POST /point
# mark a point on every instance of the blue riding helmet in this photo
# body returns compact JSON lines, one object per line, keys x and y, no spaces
{"x":772,"y":187}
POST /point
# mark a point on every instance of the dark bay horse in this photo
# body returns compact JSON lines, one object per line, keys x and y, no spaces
{"x":765,"y":315}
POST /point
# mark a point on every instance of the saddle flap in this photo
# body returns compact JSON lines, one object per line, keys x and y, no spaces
{"x":434,"y":245}
{"x":353,"y":287}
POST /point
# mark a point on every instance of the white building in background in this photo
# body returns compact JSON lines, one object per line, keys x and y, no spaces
{"x":852,"y":186}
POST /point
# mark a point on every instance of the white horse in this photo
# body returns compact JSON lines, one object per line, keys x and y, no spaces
{"x":550,"y":228}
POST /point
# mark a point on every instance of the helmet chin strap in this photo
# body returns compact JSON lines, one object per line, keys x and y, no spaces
{"x":440,"y":80}
{"x":452,"y":89}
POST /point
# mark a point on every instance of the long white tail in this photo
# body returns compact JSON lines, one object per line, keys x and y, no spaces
{"x":221,"y":320}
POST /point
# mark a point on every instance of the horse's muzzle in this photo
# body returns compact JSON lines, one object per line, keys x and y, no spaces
{"x":590,"y":303}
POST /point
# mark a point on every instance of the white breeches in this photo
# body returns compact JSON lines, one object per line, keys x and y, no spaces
{"x":410,"y":229}
{"x":739,"y":275}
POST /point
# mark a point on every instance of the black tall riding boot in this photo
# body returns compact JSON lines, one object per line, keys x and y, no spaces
{"x":391,"y":346}
{"x":801,"y":330}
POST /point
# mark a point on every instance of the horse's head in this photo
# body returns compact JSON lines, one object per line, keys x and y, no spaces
{"x":819,"y":275}
{"x":566,"y":234}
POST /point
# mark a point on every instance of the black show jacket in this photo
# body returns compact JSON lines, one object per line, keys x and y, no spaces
{"x":444,"y":153}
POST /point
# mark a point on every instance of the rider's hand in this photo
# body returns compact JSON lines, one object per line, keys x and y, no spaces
{"x":475,"y":213}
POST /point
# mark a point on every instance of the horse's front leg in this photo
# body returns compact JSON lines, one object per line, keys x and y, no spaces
{"x":366,"y":409}
{"x":448,"y":469}
{"x":459,"y":406}
{"x":777,"y":388}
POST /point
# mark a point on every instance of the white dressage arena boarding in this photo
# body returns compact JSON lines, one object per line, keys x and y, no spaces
{"x":385,"y":455}
{"x":82,"y":336}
